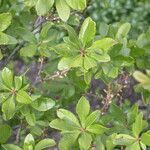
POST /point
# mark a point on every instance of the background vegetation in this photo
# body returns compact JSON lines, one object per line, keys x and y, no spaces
{"x":75,"y":75}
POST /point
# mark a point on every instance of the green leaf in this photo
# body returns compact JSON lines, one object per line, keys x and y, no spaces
{"x":5,"y":19}
{"x":141,"y":77}
{"x":43,"y":6}
{"x":29,"y":50}
{"x":5,"y":133}
{"x":77,"y":5}
{"x":18,"y":82}
{"x":93,"y":117}
{"x":67,"y":115}
{"x":85,"y":141}
{"x":7,"y":77}
{"x":83,"y":109}
{"x":23,"y":97}
{"x":26,"y":35}
{"x":72,"y":35}
{"x":124,"y":139}
{"x":64,"y":63}
{"x":46,"y":143}
{"x":96,"y":129}
{"x":68,"y":140}
{"x":134,"y":146}
{"x":145,"y":138}
{"x":103,"y":44}
{"x":43,"y":104}
{"x":11,"y":147}
{"x":30,"y":118}
{"x":138,"y":125}
{"x":1,"y":55}
{"x":87,"y":31}
{"x":63,"y":9}
{"x":88,"y":63}
{"x":29,"y":142}
{"x":3,"y":39}
{"x":123,"y":30}
{"x":63,"y":125}
{"x":8,"y":108}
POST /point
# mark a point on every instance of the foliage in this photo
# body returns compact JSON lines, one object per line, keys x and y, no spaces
{"x":63,"y":48}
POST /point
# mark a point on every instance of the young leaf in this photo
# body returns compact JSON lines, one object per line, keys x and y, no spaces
{"x":77,"y":5}
{"x":7,"y":77}
{"x":94,"y":116}
{"x":46,"y":143}
{"x":145,"y":138}
{"x":23,"y":97}
{"x":5,"y":133}
{"x":5,"y":19}
{"x":87,"y":31}
{"x":123,"y":139}
{"x":29,"y":142}
{"x":96,"y":129}
{"x":43,"y":6}
{"x":103,"y":44}
{"x":141,"y":77}
{"x":68,"y":140}
{"x":8,"y":108}
{"x":29,"y":50}
{"x":11,"y":147}
{"x":83,"y":108}
{"x":85,"y":141}
{"x":63,"y":125}
{"x":18,"y":82}
{"x":134,"y":146}
{"x":67,"y":115}
{"x":43,"y":104}
{"x":138,"y":125}
{"x":63,"y":9}
{"x":30,"y":118}
{"x":123,"y":30}
{"x":4,"y":39}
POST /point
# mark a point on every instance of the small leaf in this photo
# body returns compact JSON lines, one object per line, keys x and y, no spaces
{"x":8,"y":108}
{"x":67,"y":115}
{"x":87,"y":31}
{"x":63,"y":125}
{"x":77,"y":5}
{"x":30,"y":118}
{"x":134,"y":146}
{"x":43,"y":6}
{"x":124,"y":139}
{"x":29,"y":142}
{"x":96,"y":129}
{"x":43,"y":104}
{"x":18,"y":82}
{"x":5,"y":19}
{"x":23,"y":97}
{"x":7,"y":77}
{"x":94,"y":116}
{"x":46,"y":143}
{"x":63,"y":9}
{"x":141,"y":77}
{"x":3,"y":39}
{"x":68,"y":140}
{"x":103,"y":44}
{"x":138,"y":125}
{"x":5,"y":133}
{"x":145,"y":138}
{"x":11,"y":147}
{"x":123,"y":30}
{"x":29,"y":50}
{"x":82,"y":109}
{"x":85,"y":141}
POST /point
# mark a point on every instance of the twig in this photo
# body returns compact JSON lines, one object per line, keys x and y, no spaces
{"x":58,"y":74}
